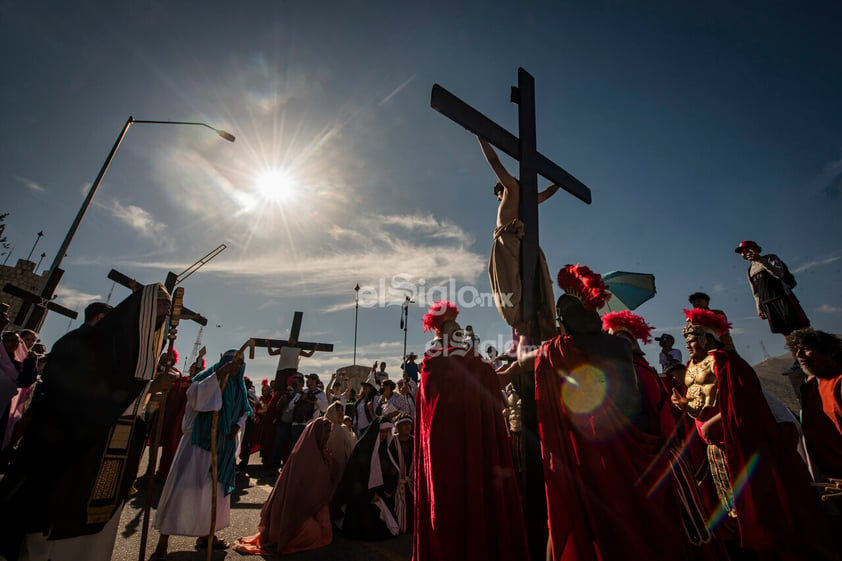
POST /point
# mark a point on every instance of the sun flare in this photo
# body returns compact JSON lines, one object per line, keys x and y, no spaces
{"x":277,"y":186}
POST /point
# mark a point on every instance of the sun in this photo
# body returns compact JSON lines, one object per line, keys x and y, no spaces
{"x":277,"y":186}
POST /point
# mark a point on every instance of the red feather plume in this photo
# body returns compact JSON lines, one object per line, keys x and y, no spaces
{"x":439,"y":312}
{"x":579,"y":281}
{"x":632,"y":323}
{"x":706,"y":318}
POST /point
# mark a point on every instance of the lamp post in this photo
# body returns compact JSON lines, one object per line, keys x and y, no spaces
{"x":405,"y":322}
{"x":37,"y":239}
{"x":37,"y":314}
{"x":43,"y":255}
{"x":356,"y":315}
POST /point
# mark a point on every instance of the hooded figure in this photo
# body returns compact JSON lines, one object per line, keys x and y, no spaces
{"x":76,"y":462}
{"x":295,"y":516}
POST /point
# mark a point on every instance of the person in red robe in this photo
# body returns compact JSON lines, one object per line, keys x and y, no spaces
{"x":762,"y":483}
{"x":820,"y":356}
{"x":467,"y":505}
{"x":173,"y":415}
{"x":681,"y":446}
{"x":269,"y":425}
{"x":632,"y":327}
{"x":603,"y":462}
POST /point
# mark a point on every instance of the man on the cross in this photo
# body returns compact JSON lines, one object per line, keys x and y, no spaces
{"x":504,"y":265}
{"x":290,"y":356}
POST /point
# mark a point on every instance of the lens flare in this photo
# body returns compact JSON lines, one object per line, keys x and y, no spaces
{"x":584,"y":389}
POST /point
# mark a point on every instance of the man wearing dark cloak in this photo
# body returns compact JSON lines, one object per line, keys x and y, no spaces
{"x":78,"y":458}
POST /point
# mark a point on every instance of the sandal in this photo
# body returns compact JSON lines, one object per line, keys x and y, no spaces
{"x":218,"y":543}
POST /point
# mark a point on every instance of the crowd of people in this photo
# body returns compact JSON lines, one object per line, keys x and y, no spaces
{"x":572,"y":448}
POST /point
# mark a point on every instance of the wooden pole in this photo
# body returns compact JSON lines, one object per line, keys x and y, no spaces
{"x":214,"y":471}
{"x":214,"y":460}
{"x":150,"y":476}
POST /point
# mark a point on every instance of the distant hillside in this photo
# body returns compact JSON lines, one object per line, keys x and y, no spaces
{"x":770,"y":372}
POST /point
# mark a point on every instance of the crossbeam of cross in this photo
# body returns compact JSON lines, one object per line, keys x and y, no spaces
{"x":294,"y":332}
{"x":169,"y":284}
{"x":41,"y":304}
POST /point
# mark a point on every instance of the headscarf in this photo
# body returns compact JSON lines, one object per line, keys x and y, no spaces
{"x":234,"y":405}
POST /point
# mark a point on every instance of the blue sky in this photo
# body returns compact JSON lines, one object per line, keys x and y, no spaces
{"x":694,"y":126}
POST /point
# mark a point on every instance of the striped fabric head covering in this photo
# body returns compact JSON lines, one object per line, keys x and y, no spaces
{"x":234,"y":405}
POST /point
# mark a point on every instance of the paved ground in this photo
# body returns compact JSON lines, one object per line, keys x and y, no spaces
{"x":253,"y":488}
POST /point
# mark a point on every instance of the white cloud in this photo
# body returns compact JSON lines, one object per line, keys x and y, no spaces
{"x":373,"y":253}
{"x":138,"y":219}
{"x":428,"y":224}
{"x":828,"y":309}
{"x":75,"y":299}
{"x":30,"y":184}
{"x":816,"y":263}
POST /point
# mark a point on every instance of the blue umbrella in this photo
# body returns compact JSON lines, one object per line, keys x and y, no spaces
{"x":628,"y":290}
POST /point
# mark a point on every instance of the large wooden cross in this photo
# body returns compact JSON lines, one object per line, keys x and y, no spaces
{"x":41,"y":306}
{"x":522,"y":148}
{"x":294,"y":332}
{"x":169,"y":284}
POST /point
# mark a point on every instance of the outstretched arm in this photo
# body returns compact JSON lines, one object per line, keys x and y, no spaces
{"x":308,"y":354}
{"x":547,"y":193}
{"x":503,"y":176}
{"x":270,"y":351}
{"x":525,"y":363}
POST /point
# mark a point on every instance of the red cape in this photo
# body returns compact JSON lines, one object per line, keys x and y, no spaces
{"x":596,"y":465}
{"x":268,"y":427}
{"x":661,"y":415}
{"x":171,"y":432}
{"x":776,"y":507}
{"x":467,"y":505}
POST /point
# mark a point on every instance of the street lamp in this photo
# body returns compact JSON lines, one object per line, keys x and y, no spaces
{"x":37,"y":239}
{"x":356,"y":315}
{"x":405,"y":322}
{"x":36,"y":316}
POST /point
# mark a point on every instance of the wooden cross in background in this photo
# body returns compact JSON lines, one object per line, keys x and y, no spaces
{"x":294,"y":332}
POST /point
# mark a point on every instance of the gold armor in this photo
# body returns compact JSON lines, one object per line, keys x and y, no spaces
{"x":700,"y":380}
{"x":515,"y":418}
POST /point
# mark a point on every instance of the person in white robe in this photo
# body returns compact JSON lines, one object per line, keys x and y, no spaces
{"x":186,"y":500}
